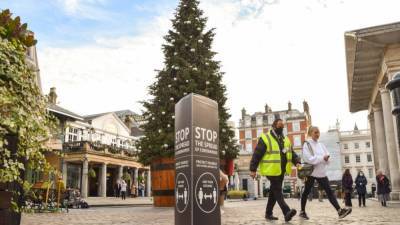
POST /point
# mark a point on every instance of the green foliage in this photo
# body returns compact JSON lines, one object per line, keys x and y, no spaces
{"x":126,"y":177}
{"x":12,"y":30}
{"x":92,"y":173}
{"x":23,"y":112}
{"x":237,"y":194}
{"x":189,"y":67}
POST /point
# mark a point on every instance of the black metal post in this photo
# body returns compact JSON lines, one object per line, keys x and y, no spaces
{"x":394,"y":88}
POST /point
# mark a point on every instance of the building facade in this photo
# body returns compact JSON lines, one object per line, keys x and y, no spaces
{"x":357,"y":154}
{"x":373,"y":58}
{"x":252,"y":126}
{"x":96,"y":151}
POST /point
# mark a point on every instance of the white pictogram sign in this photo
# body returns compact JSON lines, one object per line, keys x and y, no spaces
{"x":181,"y":192}
{"x":206,"y":192}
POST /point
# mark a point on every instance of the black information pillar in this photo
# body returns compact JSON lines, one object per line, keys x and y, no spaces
{"x":196,"y":161}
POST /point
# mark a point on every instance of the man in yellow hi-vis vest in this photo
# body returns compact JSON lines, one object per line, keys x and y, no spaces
{"x":274,"y":157}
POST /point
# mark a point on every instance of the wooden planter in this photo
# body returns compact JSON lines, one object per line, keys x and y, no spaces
{"x":7,"y":217}
{"x":163,"y":182}
{"x":5,"y":199}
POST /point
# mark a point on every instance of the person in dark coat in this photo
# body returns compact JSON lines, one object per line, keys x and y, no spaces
{"x":347,"y":184}
{"x":383,"y":184}
{"x":361,"y":186}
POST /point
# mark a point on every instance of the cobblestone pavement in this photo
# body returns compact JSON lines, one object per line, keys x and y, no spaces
{"x":238,"y":212}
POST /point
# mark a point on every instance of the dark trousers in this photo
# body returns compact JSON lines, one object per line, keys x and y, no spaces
{"x":324,"y":184}
{"x":275,"y":195}
{"x":361,"y":197}
{"x":347,"y":198}
{"x":123,"y":195}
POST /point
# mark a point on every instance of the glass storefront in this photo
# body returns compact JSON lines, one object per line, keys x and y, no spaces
{"x":74,"y":176}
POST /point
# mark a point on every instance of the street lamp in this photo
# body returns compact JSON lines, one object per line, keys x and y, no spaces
{"x":394,"y":87}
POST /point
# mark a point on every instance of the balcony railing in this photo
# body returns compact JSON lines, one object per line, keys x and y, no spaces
{"x":355,"y":132}
{"x":83,"y":146}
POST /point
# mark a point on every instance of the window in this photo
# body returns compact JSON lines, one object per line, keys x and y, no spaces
{"x":297,"y":140}
{"x":346,"y":159}
{"x":259,"y":132}
{"x":114,"y":142}
{"x":249,"y":147}
{"x":74,"y":176}
{"x":369,"y":158}
{"x":345,"y":146}
{"x":368,"y":144}
{"x":248,"y":134}
{"x":259,"y":121}
{"x":356,"y":145}
{"x":296,"y":126}
{"x":72,"y":134}
{"x":370,"y":173}
{"x":358,"y":158}
{"x":244,"y":184}
{"x":271,"y":119}
{"x":247,"y":122}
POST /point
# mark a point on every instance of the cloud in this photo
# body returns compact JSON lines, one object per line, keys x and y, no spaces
{"x":85,"y":9}
{"x":271,"y":51}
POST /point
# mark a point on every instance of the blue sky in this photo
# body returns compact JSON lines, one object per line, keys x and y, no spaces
{"x":101,"y":54}
{"x":79,"y":22}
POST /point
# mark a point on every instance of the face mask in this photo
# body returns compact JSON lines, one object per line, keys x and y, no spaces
{"x":279,"y":130}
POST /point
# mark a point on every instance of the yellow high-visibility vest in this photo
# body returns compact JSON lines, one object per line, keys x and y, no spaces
{"x":270,"y":164}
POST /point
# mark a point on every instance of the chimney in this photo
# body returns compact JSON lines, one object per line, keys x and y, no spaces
{"x":53,"y":96}
{"x":128,"y":121}
{"x":289,"y":106}
{"x":243,"y":113}
{"x":306,"y":107}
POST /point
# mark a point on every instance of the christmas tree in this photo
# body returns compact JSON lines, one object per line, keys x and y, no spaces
{"x":188,"y":68}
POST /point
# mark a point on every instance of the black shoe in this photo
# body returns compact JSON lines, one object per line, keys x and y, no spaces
{"x":271,"y":217}
{"x":290,"y":215}
{"x":304,"y":215}
{"x":344,"y":212}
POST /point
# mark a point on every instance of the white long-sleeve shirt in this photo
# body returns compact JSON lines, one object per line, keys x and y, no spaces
{"x":317,"y":159}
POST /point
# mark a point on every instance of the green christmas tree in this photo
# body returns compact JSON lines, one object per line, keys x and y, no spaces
{"x":189,"y":67}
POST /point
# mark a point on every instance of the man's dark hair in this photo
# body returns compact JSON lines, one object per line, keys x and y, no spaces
{"x":276,"y":122}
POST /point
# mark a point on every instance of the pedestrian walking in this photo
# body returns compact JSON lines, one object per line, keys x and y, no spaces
{"x":384,"y":189}
{"x":141,"y":189}
{"x":223,"y":190}
{"x":274,"y":157}
{"x":133,"y":190}
{"x":316,"y":154}
{"x":347,"y":185}
{"x":361,"y":187}
{"x":123,"y":189}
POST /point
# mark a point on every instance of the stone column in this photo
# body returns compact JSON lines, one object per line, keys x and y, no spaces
{"x":65,"y":172}
{"x":103,"y":182}
{"x":255,"y":187}
{"x":99,"y":175}
{"x":136,"y":175}
{"x":391,"y":144}
{"x":373,"y":137}
{"x":231,"y":181}
{"x":380,"y":140}
{"x":260,"y":187}
{"x":120,"y":172}
{"x":84,"y":188}
{"x":148,"y":184}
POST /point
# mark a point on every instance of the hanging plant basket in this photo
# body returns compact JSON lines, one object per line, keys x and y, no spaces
{"x":92,"y":173}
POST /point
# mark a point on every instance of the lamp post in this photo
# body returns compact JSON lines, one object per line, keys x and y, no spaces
{"x":394,"y":88}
